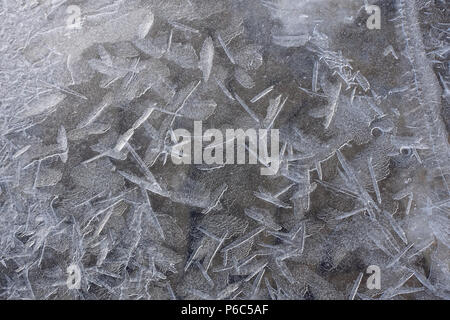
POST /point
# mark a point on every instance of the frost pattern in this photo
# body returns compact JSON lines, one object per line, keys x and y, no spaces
{"x":87,"y":132}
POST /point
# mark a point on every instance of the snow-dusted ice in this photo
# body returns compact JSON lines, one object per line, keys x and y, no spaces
{"x":93,"y":95}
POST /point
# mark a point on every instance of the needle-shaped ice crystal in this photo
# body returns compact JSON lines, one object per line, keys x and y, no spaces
{"x":206,"y":58}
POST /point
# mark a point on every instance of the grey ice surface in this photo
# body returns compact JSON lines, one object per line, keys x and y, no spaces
{"x":93,"y":207}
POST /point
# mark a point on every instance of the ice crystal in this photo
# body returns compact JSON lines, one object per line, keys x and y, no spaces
{"x":89,"y":116}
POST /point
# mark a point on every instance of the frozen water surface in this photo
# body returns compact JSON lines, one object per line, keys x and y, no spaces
{"x":93,"y":95}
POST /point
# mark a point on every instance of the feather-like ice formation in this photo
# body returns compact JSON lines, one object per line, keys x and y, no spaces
{"x":262,"y":216}
{"x":273,"y":199}
{"x":153,"y":47}
{"x":82,"y":133}
{"x":351,"y":213}
{"x":272,"y":110}
{"x":152,"y":214}
{"x":21,"y":151}
{"x":146,"y":25}
{"x":89,"y":123}
{"x":225,"y":90}
{"x":353,"y":179}
{"x":183,"y":54}
{"x":225,"y":49}
{"x":356,"y":286}
{"x":315,"y":76}
{"x":398,"y":256}
{"x":62,"y":142}
{"x":261,"y":94}
{"x":42,"y":104}
{"x":183,"y":27}
{"x":374,"y":180}
{"x":240,"y":241}
{"x":333,"y":105}
{"x":216,"y":198}
{"x":390,"y":50}
{"x":246,"y":108}
{"x":362,"y":81}
{"x":244,"y":78}
{"x":105,"y":103}
{"x":206,"y":58}
{"x":397,"y":228}
{"x":151,"y":186}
